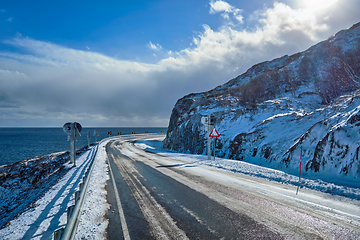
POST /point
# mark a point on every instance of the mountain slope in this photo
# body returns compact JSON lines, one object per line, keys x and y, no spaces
{"x":265,"y":115}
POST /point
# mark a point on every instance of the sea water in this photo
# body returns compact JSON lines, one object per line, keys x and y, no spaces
{"x":18,"y":144}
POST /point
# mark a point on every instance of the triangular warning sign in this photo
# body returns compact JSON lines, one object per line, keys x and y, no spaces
{"x":214,"y":133}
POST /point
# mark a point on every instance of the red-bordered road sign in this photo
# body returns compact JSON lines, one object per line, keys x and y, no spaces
{"x":214,"y":133}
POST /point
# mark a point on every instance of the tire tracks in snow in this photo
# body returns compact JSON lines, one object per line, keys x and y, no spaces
{"x":161,"y":224}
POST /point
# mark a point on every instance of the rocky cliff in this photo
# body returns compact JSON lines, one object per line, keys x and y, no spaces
{"x":264,"y":116}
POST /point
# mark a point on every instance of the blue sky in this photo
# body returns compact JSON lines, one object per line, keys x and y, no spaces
{"x":125,"y":63}
{"x":120,"y":29}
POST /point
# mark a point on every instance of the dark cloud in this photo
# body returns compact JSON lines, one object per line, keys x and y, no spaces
{"x":6,"y":102}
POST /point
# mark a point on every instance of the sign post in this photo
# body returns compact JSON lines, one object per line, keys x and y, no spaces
{"x":96,"y":134}
{"x":72,"y":129}
{"x":89,"y":136}
{"x":214,"y":134}
{"x":206,"y":121}
{"x":300,"y":163}
{"x":297,"y":190}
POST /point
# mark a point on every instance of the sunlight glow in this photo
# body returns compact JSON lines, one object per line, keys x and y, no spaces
{"x":315,"y":5}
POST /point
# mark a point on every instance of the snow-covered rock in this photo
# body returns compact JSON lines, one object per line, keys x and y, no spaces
{"x":264,"y":116}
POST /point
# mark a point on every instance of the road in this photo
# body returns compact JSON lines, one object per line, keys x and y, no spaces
{"x":158,"y":197}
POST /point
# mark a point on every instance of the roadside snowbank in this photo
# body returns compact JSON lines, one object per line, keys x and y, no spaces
{"x":336,"y":187}
{"x":49,"y":212}
{"x":92,"y":223}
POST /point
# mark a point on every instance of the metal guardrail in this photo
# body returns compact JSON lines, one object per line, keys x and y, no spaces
{"x":74,"y":212}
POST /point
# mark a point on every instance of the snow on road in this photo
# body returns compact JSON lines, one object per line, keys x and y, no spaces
{"x":49,"y":212}
{"x":331,"y":216}
{"x":309,"y":181}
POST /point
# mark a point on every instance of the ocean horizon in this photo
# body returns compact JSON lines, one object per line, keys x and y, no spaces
{"x":20,"y":143}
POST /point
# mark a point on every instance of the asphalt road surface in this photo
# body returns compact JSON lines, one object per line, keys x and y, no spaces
{"x":157,"y":197}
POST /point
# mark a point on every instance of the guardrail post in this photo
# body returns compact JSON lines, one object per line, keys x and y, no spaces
{"x":77,"y":196}
{"x":69,"y":212}
{"x":58,"y":233}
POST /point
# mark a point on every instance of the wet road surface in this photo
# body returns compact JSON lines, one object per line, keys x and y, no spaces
{"x":153,"y":197}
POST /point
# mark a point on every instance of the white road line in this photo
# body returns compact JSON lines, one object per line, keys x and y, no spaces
{"x":121,"y":211}
{"x":162,"y":225}
{"x":328,"y":223}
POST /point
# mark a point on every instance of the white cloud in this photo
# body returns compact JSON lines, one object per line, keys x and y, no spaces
{"x":316,"y":5}
{"x":11,"y":74}
{"x":9,"y":19}
{"x":278,"y":30}
{"x":221,"y":6}
{"x":100,"y":90}
{"x":240,"y":18}
{"x":45,"y":53}
{"x":283,"y":19}
{"x":154,"y":46}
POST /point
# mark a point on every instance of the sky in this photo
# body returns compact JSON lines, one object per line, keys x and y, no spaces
{"x":126,"y":63}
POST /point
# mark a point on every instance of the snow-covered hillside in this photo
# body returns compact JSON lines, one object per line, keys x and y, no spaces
{"x":24,"y":182}
{"x":264,"y":116}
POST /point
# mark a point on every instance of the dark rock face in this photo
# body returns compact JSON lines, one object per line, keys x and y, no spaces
{"x":264,"y":115}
